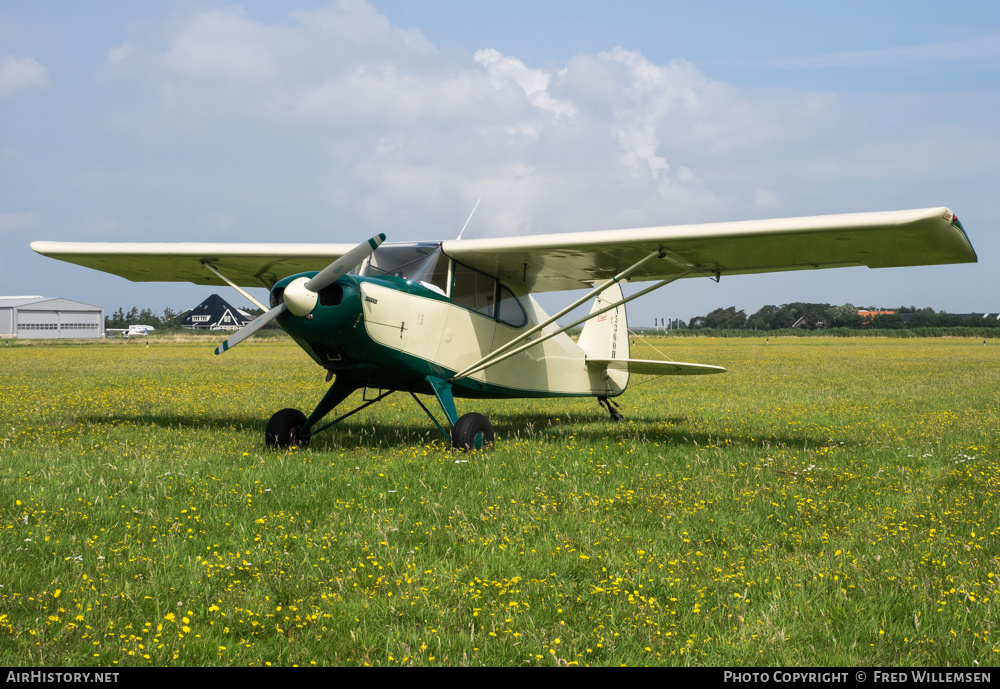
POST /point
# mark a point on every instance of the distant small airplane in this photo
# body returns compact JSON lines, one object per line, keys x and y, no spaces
{"x":456,"y":319}
{"x":132,"y":330}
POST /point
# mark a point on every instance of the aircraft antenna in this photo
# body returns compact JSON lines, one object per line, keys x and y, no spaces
{"x":470,"y":218}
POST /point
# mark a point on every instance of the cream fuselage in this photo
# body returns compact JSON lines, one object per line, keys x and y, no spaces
{"x":392,"y":333}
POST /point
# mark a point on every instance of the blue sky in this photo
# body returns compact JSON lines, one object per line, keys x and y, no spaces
{"x":317,"y":121}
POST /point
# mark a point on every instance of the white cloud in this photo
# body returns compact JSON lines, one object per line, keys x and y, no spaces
{"x":224,"y":45}
{"x":19,"y":73}
{"x":14,"y":222}
{"x":607,"y":140}
{"x":337,"y":104}
{"x":386,"y":94}
{"x":534,"y":82}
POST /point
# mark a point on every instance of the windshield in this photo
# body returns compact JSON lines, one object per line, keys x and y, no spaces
{"x":420,"y":262}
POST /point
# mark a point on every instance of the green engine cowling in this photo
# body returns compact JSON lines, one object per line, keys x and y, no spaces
{"x":324,"y":317}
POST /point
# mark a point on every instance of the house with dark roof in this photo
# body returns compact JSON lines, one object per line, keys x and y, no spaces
{"x":215,"y":313}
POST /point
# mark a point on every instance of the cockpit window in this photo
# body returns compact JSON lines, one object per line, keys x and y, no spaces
{"x":418,"y":262}
{"x":510,"y":312}
{"x":473,"y":290}
{"x":478,"y":292}
{"x":424,"y":263}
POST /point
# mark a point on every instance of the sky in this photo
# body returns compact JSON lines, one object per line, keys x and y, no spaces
{"x":334,"y":121}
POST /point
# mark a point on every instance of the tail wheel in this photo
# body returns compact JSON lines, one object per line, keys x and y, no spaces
{"x":283,"y":429}
{"x":612,"y":407}
{"x":472,"y":432}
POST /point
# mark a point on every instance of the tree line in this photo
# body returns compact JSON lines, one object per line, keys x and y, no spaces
{"x":799,"y":315}
{"x":807,"y":316}
{"x":123,"y":319}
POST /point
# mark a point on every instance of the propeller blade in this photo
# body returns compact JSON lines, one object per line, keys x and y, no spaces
{"x":340,"y":267}
{"x":250,"y":328}
{"x":323,"y":278}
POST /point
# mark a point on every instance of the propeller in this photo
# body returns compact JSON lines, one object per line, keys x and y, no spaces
{"x":251,"y":327}
{"x":328,"y":275}
{"x":305,"y":294}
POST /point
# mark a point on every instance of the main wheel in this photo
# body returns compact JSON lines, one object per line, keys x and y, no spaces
{"x":472,"y":432}
{"x":283,"y":429}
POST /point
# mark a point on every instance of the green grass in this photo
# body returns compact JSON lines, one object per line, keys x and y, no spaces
{"x":826,"y":502}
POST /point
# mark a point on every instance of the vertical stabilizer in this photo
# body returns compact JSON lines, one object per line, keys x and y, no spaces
{"x":606,"y":336}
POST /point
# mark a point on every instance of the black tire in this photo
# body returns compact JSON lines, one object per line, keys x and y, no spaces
{"x":283,"y":429}
{"x":472,"y":432}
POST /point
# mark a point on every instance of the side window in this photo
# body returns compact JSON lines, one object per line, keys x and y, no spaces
{"x":510,"y":311}
{"x":477,"y":292}
{"x":473,"y":290}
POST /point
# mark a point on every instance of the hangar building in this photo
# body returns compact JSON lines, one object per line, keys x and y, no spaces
{"x":39,"y":318}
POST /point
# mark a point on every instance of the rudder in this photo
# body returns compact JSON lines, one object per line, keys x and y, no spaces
{"x":606,"y":336}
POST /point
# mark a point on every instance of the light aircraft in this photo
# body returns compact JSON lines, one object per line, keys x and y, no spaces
{"x":132,"y":330}
{"x":456,"y":318}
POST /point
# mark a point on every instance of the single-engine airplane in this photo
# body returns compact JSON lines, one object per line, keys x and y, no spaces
{"x":456,"y":318}
{"x":131,"y":331}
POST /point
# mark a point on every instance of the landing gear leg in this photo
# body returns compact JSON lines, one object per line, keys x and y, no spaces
{"x":471,"y":431}
{"x":337,"y":393}
{"x":611,"y":406}
{"x":291,"y":427}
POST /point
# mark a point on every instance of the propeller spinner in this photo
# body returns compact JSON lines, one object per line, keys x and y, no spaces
{"x":301,"y":295}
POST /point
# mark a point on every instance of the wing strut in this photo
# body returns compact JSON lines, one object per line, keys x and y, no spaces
{"x":234,"y":285}
{"x":659,"y":253}
{"x":506,"y":355}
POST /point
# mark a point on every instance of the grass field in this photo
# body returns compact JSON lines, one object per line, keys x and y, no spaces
{"x":826,"y":502}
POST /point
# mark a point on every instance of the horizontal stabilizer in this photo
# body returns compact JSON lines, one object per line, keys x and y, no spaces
{"x":656,"y":368}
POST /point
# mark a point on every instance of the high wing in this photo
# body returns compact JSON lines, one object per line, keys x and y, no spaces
{"x":572,"y":261}
{"x":575,"y":260}
{"x":247,"y":265}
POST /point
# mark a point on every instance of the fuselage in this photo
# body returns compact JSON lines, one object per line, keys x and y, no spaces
{"x":392,"y":330}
